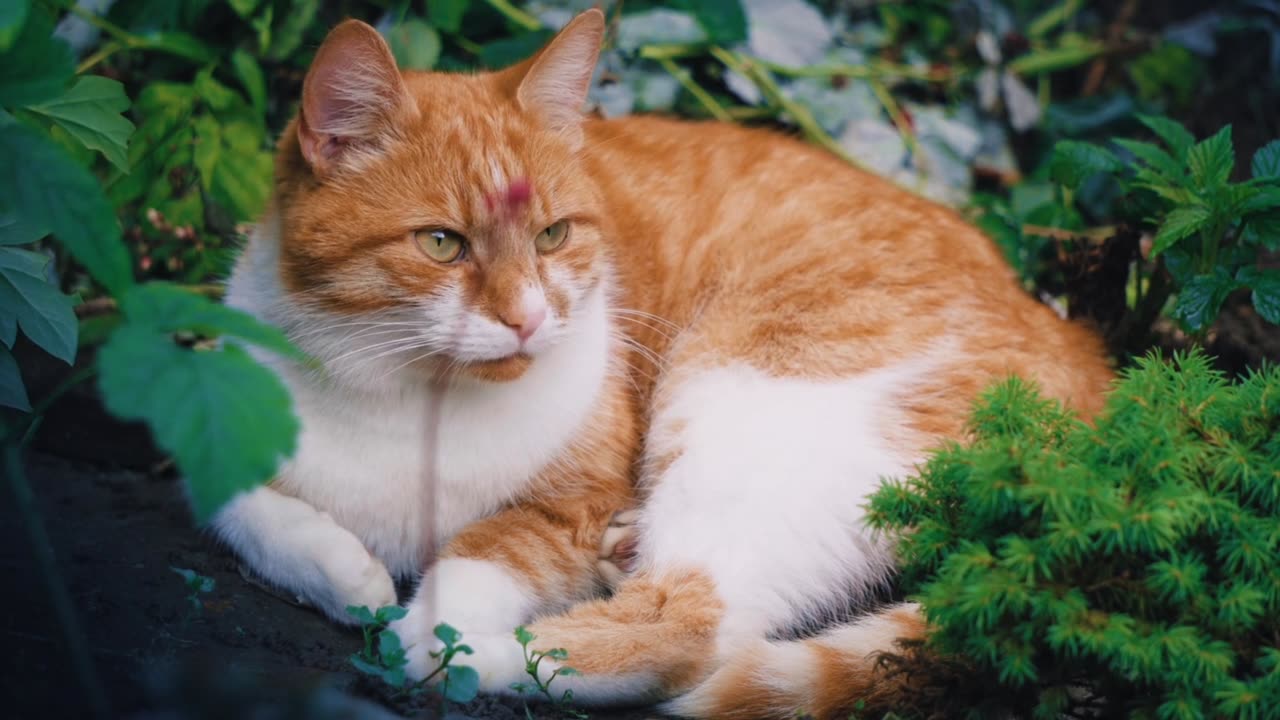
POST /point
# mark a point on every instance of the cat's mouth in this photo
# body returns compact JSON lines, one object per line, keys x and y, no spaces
{"x":503,"y":369}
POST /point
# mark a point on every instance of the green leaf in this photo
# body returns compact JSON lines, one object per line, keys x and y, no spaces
{"x":361,"y":614}
{"x":1201,"y":298}
{"x":13,"y":13}
{"x":52,"y":191}
{"x":508,"y":51}
{"x":18,"y":229}
{"x":1074,"y":162}
{"x":207,"y":150}
{"x":249,"y":73}
{"x":287,"y":34}
{"x":390,"y":613}
{"x":415,"y":44}
{"x":723,"y":20}
{"x":447,"y":634}
{"x":1180,"y":223}
{"x":37,"y":306}
{"x":227,"y":420}
{"x":169,"y":308}
{"x":1266,"y":162}
{"x":180,"y":44}
{"x":90,"y":112}
{"x":1266,"y":292}
{"x":13,"y":393}
{"x":1177,"y":137}
{"x":36,"y":67}
{"x":365,"y":666}
{"x":462,"y":683}
{"x":244,"y":8}
{"x":388,"y":644}
{"x":447,"y":14}
{"x":1158,"y":160}
{"x":1212,"y":160}
{"x":523,"y":636}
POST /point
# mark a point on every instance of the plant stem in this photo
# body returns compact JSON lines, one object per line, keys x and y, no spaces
{"x":773,"y":93}
{"x":895,"y":115}
{"x":515,"y":14}
{"x":37,"y":412}
{"x":873,"y":70}
{"x":102,"y":53}
{"x":680,"y":74}
{"x":76,"y":647}
{"x":122,"y":36}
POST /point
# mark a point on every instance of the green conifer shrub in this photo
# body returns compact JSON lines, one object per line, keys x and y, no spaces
{"x":1130,"y":569}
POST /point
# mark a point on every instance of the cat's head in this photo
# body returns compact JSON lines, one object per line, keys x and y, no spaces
{"x":443,"y":221}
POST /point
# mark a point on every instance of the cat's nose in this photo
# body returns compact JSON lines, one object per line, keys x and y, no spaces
{"x":527,"y":317}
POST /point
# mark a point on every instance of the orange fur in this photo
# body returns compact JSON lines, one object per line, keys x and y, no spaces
{"x":721,"y":243}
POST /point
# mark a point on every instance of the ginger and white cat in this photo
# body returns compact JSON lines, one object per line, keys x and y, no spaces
{"x":523,"y":316}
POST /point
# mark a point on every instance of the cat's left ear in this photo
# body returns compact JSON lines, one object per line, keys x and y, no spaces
{"x":554,"y":88}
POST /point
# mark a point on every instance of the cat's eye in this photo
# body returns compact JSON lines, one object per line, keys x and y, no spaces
{"x":552,"y":237}
{"x":443,"y":246}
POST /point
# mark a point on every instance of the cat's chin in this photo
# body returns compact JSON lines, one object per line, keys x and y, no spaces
{"x":499,"y":370}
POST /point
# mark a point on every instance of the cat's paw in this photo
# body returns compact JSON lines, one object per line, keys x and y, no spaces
{"x":355,"y":577}
{"x":617,"y":557}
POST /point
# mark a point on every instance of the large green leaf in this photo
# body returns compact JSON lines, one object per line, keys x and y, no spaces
{"x":1200,"y":299}
{"x":1266,"y":161}
{"x":30,"y":301}
{"x":42,"y":183}
{"x":1266,"y":291}
{"x":723,"y":20}
{"x":228,"y":421}
{"x":170,"y":308}
{"x":415,"y":44}
{"x":1177,"y":137}
{"x":36,"y":67}
{"x":13,"y":13}
{"x":90,"y":111}
{"x":1211,"y":160}
{"x":16,"y":228}
{"x":447,"y":14}
{"x":1181,"y":223}
{"x":1074,"y":162}
{"x":13,"y":393}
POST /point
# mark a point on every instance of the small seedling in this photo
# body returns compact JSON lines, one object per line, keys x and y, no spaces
{"x":532,"y":660}
{"x":197,"y":585}
{"x":383,"y":657}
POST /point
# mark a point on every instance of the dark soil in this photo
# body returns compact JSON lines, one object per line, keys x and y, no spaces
{"x":116,"y":534}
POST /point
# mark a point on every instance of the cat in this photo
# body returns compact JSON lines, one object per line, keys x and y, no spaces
{"x":525,"y":319}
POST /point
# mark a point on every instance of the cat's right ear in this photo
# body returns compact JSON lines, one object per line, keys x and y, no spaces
{"x":352,"y":97}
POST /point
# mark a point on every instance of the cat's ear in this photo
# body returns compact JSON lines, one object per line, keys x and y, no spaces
{"x":554,"y":88}
{"x":352,"y":96}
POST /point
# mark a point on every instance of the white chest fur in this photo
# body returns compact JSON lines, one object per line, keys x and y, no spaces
{"x":364,"y":453}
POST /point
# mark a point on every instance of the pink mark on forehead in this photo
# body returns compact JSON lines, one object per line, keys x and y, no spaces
{"x":509,"y":202}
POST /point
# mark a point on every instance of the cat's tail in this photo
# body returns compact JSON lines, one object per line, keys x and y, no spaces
{"x":832,"y":675}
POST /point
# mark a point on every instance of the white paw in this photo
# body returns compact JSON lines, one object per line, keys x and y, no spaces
{"x":354,"y":577}
{"x":483,"y":602}
{"x":617,"y":556}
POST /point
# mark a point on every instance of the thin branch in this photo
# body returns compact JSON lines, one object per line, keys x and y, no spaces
{"x":516,"y":15}
{"x":686,"y":80}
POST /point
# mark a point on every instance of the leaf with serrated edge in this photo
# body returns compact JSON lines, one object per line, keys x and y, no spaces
{"x":1212,"y":159}
{"x":227,"y":420}
{"x":41,"y":310}
{"x":1266,"y":162}
{"x":1158,"y":160}
{"x":169,"y":308}
{"x":1177,"y":137}
{"x":1266,"y":294}
{"x":52,"y":191}
{"x":90,"y":112}
{"x":13,"y":393}
{"x":1074,"y":162}
{"x":1181,"y":223}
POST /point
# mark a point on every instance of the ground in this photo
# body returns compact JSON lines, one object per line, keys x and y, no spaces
{"x":116,"y":533}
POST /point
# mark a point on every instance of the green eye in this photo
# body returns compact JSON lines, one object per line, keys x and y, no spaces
{"x":553,"y":237}
{"x":443,"y":246}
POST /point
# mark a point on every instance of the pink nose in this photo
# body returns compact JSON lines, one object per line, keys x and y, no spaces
{"x":528,"y":322}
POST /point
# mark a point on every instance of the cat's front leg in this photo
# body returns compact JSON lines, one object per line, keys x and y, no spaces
{"x":292,"y":545}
